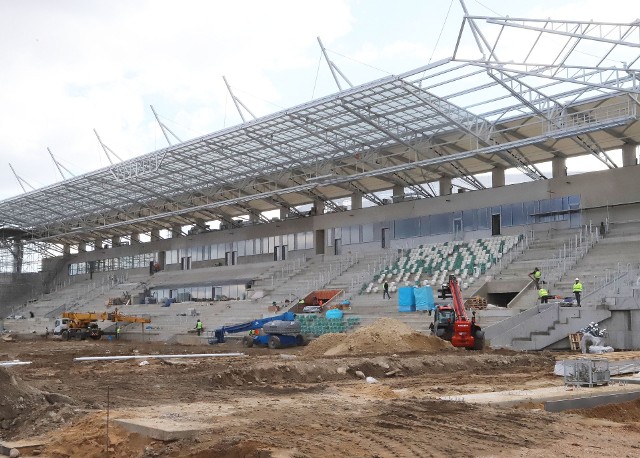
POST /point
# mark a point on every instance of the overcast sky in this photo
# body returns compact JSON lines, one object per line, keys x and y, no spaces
{"x":68,"y":67}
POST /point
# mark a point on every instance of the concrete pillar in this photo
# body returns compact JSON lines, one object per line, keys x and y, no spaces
{"x":254,"y":218}
{"x":445,"y":186}
{"x":398,"y":193}
{"x":97,"y":244}
{"x":319,"y":207}
{"x":82,"y":247}
{"x":66,"y":249}
{"x":155,"y":234}
{"x":497,"y":177}
{"x":284,"y":212}
{"x":135,"y":238}
{"x":356,"y":200}
{"x":176,"y":231}
{"x":629,"y":155}
{"x":115,"y":241}
{"x":558,"y":167}
{"x":18,"y":252}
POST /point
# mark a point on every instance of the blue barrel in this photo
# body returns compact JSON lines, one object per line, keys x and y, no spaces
{"x":424,"y":298}
{"x":406,"y":299}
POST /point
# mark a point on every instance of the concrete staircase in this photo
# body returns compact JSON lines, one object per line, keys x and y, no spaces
{"x":542,"y":326}
{"x":540,"y":251}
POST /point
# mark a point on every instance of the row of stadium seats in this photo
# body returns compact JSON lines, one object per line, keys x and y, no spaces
{"x":432,"y":264}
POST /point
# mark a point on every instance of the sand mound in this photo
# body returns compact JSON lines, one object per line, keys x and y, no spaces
{"x":22,"y":405}
{"x":382,"y":337}
{"x":16,"y":397}
{"x":88,"y":438}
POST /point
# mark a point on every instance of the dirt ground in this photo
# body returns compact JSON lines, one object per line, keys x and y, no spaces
{"x":300,"y":402}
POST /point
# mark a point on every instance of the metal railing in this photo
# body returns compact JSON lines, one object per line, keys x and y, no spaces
{"x":88,"y":292}
{"x":571,"y":252}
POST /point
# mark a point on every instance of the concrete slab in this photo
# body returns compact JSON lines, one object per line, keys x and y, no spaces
{"x":161,"y":428}
{"x":540,"y":395}
{"x":25,"y":447}
{"x":590,"y":402}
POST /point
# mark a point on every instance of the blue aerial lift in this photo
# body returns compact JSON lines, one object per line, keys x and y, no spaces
{"x":274,"y":332}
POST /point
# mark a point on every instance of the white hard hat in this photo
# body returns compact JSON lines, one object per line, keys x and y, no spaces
{"x":577,"y":279}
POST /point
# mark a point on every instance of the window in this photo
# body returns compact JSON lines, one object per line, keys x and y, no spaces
{"x":406,"y":228}
{"x":505,"y":216}
{"x":469,"y":220}
{"x":367,"y":233}
{"x":425,"y":225}
{"x":484,"y":222}
{"x":249,"y":248}
{"x":355,"y":234}
{"x":442,"y":223}
{"x":346,"y":236}
{"x":518,"y":214}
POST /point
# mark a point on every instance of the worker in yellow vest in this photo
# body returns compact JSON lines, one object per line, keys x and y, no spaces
{"x":198,"y":326}
{"x":543,"y":294}
{"x":536,"y":275}
{"x":577,"y":290}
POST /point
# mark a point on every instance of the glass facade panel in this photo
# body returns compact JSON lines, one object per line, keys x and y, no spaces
{"x":518,"y":215}
{"x":355,"y":234}
{"x":442,"y":223}
{"x":484,"y":220}
{"x":469,"y":220}
{"x":406,"y":228}
{"x":367,"y":233}
{"x":505,"y":216}
{"x":425,"y":225}
{"x":346,"y":236}
{"x":300,"y":241}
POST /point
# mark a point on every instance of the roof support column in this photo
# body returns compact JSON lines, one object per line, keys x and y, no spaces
{"x":398,"y":193}
{"x":445,"y":185}
{"x":155,"y":234}
{"x":115,"y":241}
{"x":135,"y":238}
{"x":497,"y":177}
{"x":558,"y":167}
{"x":176,"y":231}
{"x":356,"y":200}
{"x":629,"y":155}
{"x":254,"y":218}
{"x":318,"y":207}
{"x":18,"y":252}
{"x":97,"y":244}
{"x":82,"y":247}
{"x":284,"y":212}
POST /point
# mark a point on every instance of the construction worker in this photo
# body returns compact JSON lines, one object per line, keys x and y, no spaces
{"x":118,"y":329}
{"x":535,"y":276}
{"x":543,"y":294}
{"x":198,"y":326}
{"x":577,"y":290}
{"x":385,"y":290}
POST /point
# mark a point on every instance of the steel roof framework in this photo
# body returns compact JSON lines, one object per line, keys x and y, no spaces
{"x":459,"y":117}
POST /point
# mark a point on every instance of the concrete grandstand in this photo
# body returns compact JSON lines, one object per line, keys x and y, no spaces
{"x":370,"y":183}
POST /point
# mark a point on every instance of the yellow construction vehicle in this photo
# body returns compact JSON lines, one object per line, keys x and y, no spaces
{"x":83,"y":325}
